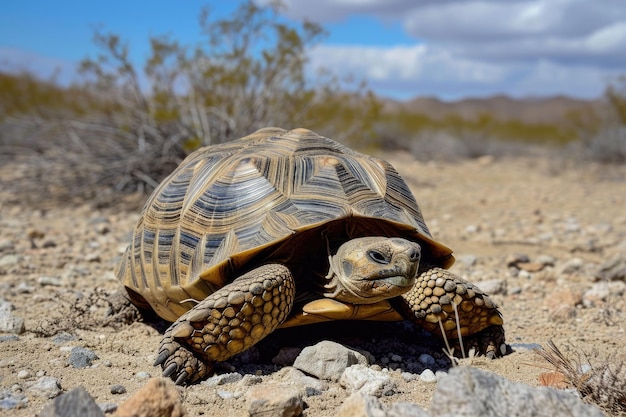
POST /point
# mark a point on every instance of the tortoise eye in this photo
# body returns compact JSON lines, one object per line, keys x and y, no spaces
{"x":378,"y":257}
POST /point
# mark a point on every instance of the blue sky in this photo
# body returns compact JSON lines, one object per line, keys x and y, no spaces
{"x":445,"y":48}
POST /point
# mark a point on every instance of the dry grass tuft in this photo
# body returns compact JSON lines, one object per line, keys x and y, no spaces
{"x":602,"y":383}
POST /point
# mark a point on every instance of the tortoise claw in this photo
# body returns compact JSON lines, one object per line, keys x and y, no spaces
{"x":181,"y":363}
{"x":182,"y":377}
{"x":161,"y":358}
{"x":170,"y":369}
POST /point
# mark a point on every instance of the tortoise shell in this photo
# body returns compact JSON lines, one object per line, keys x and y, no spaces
{"x":273,"y":196}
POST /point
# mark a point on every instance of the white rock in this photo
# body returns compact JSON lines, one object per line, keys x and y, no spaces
{"x":428,"y":376}
{"x":367,"y":381}
{"x":46,"y":386}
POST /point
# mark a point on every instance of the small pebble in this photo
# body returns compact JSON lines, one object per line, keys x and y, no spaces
{"x":222,"y":379}
{"x":440,"y":374}
{"x":142,"y":375}
{"x":118,"y":389}
{"x":6,"y":245}
{"x":108,"y":408}
{"x":9,"y":260}
{"x":24,"y":374}
{"x":9,"y":338}
{"x":408,"y":376}
{"x":81,"y":357}
{"x":225,"y":395}
{"x":63,"y":337}
{"x":426,"y":359}
{"x":428,"y":376}
{"x":46,"y":386}
{"x":92,"y":257}
{"x":396,"y":358}
{"x":50,"y":281}
{"x":24,"y":288}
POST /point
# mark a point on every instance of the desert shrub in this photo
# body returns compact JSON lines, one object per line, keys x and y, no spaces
{"x":248,"y":73}
{"x":604,"y":140}
{"x":601,"y":381}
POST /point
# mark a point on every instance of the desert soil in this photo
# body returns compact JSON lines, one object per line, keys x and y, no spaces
{"x":566,"y":218}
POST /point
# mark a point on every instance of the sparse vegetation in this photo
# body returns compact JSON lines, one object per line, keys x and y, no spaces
{"x":602,"y":382}
{"x":123,"y":128}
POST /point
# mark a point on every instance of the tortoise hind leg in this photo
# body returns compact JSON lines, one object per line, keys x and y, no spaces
{"x":439,"y":297}
{"x":227,"y":322}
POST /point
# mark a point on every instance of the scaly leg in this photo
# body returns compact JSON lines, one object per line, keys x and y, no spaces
{"x":227,"y":322}
{"x":439,"y":296}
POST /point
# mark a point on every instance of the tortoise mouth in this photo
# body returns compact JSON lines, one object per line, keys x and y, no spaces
{"x":398,"y":281}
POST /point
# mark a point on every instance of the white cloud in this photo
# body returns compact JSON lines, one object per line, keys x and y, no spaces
{"x":423,"y":70}
{"x":534,"y":47}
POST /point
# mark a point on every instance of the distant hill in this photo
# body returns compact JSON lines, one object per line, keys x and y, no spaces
{"x":530,"y":110}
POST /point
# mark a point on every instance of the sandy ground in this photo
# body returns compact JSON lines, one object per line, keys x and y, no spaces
{"x":487,"y":210}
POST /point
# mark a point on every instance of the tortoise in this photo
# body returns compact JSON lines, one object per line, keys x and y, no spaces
{"x":285,"y":228}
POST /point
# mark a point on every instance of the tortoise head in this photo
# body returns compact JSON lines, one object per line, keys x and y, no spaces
{"x":370,"y":269}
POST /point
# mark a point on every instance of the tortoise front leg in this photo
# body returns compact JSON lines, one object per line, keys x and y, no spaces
{"x":439,"y":297}
{"x":227,"y":322}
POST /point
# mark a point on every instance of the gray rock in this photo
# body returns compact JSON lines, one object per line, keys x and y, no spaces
{"x":249,"y":380}
{"x":229,"y":378}
{"x":108,"y":408}
{"x":12,"y":400}
{"x":308,"y":385}
{"x":570,"y":266}
{"x":515,"y":258}
{"x":471,"y":392}
{"x":403,"y":409}
{"x":426,"y":359}
{"x":602,"y":291}
{"x":25,"y":374}
{"x":492,"y":286}
{"x":274,"y":399}
{"x":142,"y":375}
{"x":613,"y":269}
{"x":118,"y":389}
{"x":81,"y":357}
{"x":46,"y":386}
{"x":9,"y":338}
{"x":75,"y":403}
{"x":361,"y":405}
{"x":327,"y":360}
{"x":9,"y":323}
{"x":408,"y":376}
{"x":63,"y":337}
{"x":92,"y":257}
{"x":24,"y":288}
{"x":9,"y":260}
{"x":50,"y":281}
{"x":367,"y":381}
{"x":6,"y":245}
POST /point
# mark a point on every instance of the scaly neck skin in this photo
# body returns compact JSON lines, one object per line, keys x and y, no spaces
{"x":334,"y":287}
